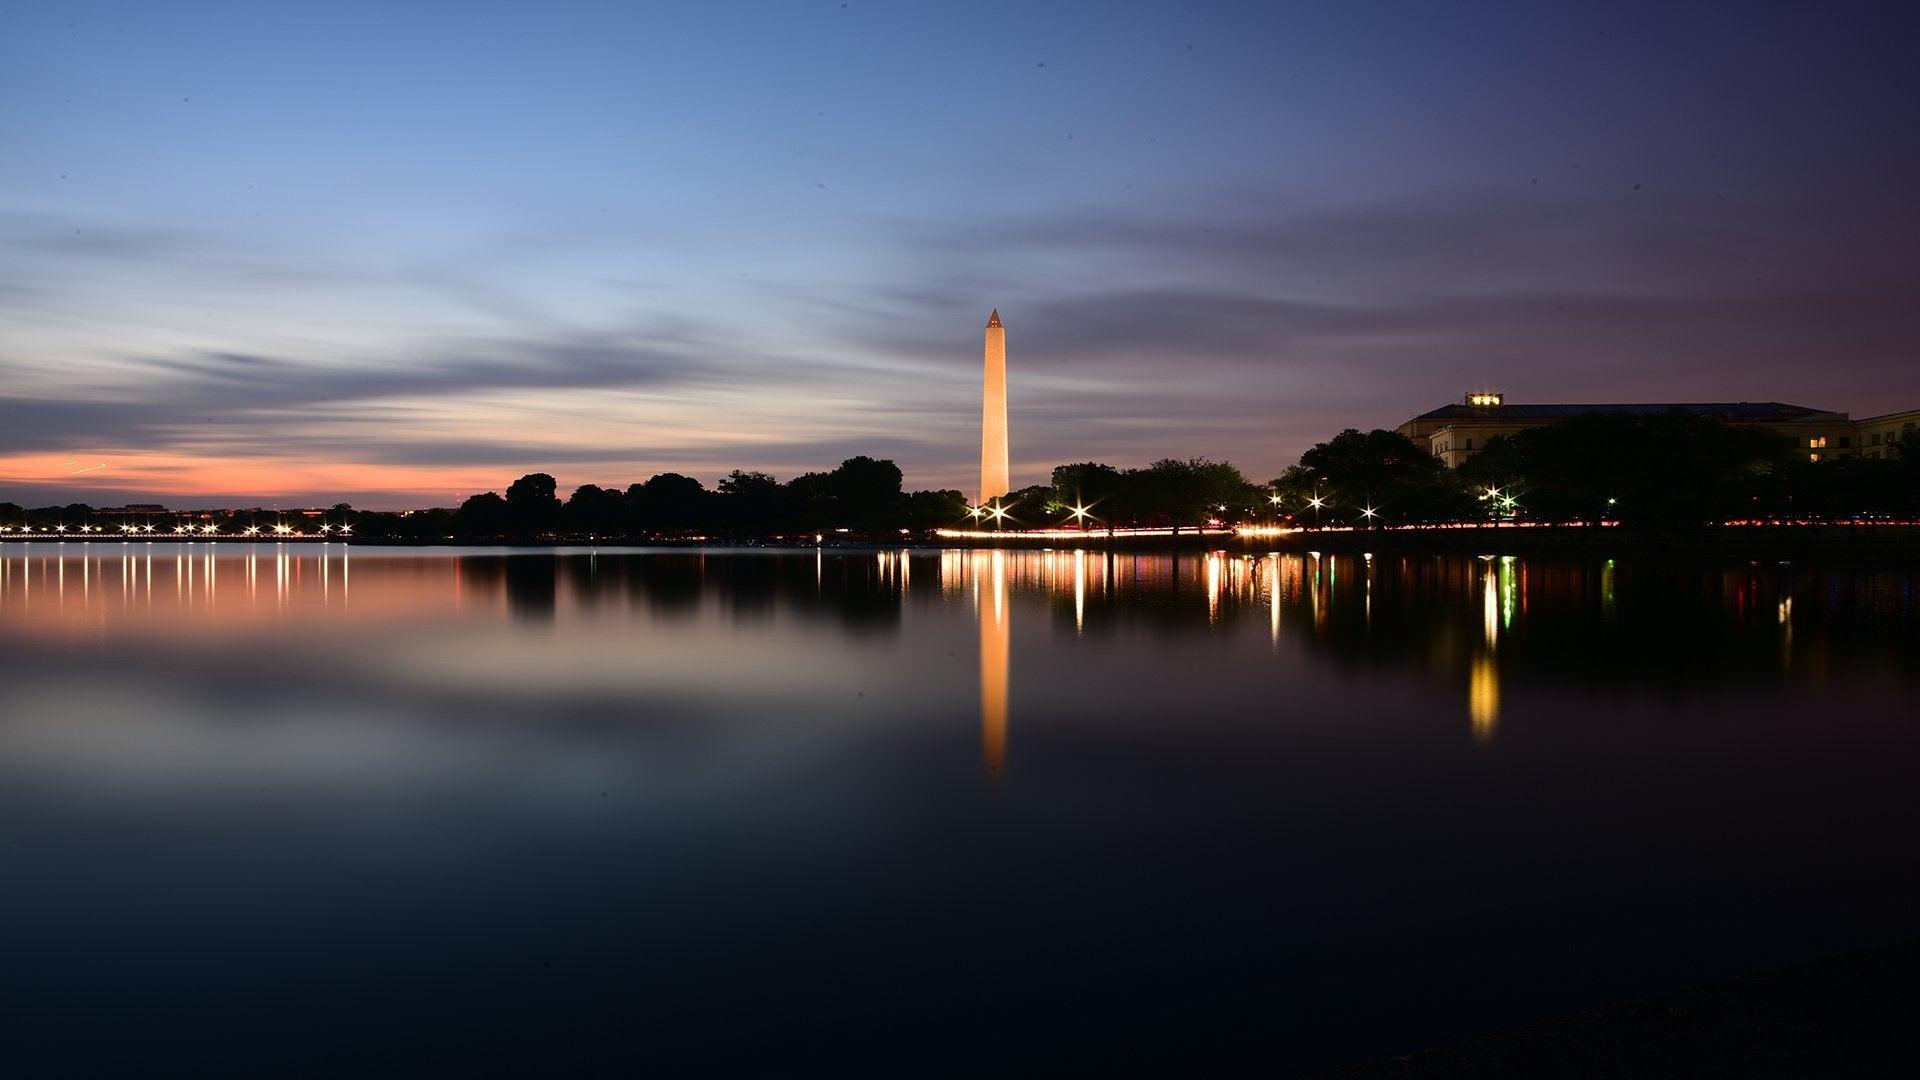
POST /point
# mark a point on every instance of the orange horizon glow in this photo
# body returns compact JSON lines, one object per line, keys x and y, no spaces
{"x":187,"y":477}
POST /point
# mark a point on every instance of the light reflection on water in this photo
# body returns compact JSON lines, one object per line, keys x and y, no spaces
{"x":1111,"y":801}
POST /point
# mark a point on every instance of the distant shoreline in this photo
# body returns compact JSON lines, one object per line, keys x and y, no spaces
{"x":1901,"y":542}
{"x":1826,"y":542}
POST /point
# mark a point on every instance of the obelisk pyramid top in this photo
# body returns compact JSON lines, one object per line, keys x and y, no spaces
{"x":994,"y":319}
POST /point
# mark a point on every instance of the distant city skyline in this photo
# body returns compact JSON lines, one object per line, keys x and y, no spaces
{"x":395,"y":256}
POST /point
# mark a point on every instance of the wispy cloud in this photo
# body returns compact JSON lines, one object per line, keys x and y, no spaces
{"x":1229,"y":326}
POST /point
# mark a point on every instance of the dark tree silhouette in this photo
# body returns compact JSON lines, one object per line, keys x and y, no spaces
{"x":594,"y":511}
{"x":1186,"y":492}
{"x":535,"y":509}
{"x":484,"y":515}
{"x":1381,"y":471}
{"x":1673,"y":468}
{"x":668,"y":504}
{"x":866,"y":493}
{"x":930,"y":510}
{"x":750,"y":503}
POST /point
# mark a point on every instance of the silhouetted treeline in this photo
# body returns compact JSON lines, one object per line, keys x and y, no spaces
{"x":1667,"y":469}
{"x":1670,"y":469}
{"x":862,"y":498}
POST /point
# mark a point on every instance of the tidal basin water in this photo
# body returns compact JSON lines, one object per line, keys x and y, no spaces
{"x":289,"y":809}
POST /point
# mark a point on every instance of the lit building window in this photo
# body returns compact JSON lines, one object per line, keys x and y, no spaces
{"x":1817,"y":442}
{"x":1813,"y":457}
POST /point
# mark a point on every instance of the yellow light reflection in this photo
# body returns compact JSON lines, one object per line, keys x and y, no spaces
{"x":1213,"y":588}
{"x":995,"y":644}
{"x":1490,"y":609}
{"x":1273,"y":594}
{"x":1786,"y":633}
{"x":1079,"y":590}
{"x":1483,"y":698}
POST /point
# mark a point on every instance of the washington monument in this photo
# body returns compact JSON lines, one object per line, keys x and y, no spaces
{"x":993,"y":415}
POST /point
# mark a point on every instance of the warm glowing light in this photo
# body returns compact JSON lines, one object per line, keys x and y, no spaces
{"x":1367,"y":512}
{"x":1070,"y":534}
{"x":1483,"y":698}
{"x":1213,"y":587}
{"x":1080,"y":513}
{"x":995,"y":653}
{"x":1490,"y":608}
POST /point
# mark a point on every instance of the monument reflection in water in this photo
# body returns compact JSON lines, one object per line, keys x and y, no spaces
{"x":849,"y":810}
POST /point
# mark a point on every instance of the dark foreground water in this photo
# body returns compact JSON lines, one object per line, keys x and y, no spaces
{"x":292,"y":809}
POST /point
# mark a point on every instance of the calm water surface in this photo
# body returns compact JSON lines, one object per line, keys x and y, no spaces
{"x":303,"y":809}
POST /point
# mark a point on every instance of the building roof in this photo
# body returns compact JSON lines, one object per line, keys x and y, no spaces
{"x":1763,"y":411}
{"x":1909,"y":414}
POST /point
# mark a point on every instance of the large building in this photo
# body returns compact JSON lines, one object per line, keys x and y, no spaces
{"x":1454,"y":433}
{"x":993,"y":415}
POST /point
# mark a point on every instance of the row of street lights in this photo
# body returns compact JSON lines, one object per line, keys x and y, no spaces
{"x":1082,"y":514}
{"x":1503,"y":504}
{"x":149,"y":529}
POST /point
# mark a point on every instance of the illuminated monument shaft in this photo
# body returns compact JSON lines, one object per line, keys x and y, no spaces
{"x":993,"y":415}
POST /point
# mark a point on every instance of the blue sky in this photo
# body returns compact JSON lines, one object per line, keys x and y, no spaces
{"x":397,"y":253}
